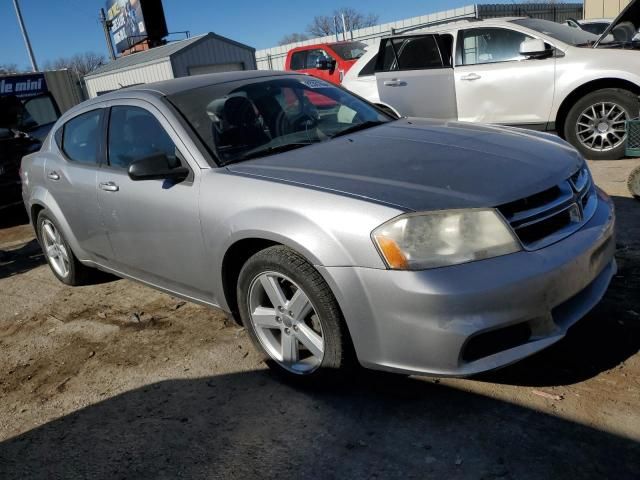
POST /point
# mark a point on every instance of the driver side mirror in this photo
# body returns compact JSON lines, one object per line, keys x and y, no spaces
{"x":535,"y":48}
{"x":156,"y":167}
{"x":325,"y":64}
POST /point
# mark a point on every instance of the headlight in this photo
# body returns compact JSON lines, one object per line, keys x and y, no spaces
{"x":448,"y":237}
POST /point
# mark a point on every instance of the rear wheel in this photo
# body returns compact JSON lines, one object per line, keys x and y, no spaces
{"x":595,"y":125}
{"x":64,"y":264}
{"x":292,"y":316}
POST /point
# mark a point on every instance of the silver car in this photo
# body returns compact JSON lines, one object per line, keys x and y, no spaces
{"x":334,"y":233}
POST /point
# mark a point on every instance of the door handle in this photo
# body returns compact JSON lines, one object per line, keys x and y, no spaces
{"x":53,"y":175}
{"x":471,"y":77}
{"x":109,"y":187}
{"x":394,"y":83}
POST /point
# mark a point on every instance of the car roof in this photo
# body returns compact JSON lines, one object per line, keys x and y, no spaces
{"x":178,"y":85}
{"x":322,"y":44}
{"x":458,"y":25}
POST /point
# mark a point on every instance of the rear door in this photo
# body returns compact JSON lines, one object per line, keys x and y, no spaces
{"x":495,"y":84}
{"x":71,"y":179}
{"x":415,"y":76}
{"x":153,"y":225}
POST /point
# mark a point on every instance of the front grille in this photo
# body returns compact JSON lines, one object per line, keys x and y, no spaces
{"x":553,"y":214}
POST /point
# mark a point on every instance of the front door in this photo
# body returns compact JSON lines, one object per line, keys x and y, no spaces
{"x":153,"y":225}
{"x":415,"y":77}
{"x":495,"y":84}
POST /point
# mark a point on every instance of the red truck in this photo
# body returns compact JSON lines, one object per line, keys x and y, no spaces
{"x":328,"y":61}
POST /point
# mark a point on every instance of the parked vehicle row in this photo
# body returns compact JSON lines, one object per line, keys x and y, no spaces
{"x":522,"y":72}
{"x":23,"y":125}
{"x":336,"y":236}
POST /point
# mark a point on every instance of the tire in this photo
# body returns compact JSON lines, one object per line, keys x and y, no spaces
{"x":279,"y":330}
{"x":49,"y":233}
{"x":612,"y":148}
{"x":634,"y":183}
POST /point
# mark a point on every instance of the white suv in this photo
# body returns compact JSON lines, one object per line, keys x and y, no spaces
{"x":520,"y":71}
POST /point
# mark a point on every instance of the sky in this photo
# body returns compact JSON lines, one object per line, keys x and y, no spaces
{"x":64,"y":27}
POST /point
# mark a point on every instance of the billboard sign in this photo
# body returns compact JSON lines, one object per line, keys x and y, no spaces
{"x":23,"y":86}
{"x":133,"y":21}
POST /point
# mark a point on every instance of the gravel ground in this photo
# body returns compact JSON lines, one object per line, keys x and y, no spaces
{"x":119,"y":381}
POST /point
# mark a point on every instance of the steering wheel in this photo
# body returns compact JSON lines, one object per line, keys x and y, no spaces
{"x":303,"y":121}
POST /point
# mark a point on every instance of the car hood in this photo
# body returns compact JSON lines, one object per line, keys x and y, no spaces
{"x":419,"y":164}
{"x":630,"y":15}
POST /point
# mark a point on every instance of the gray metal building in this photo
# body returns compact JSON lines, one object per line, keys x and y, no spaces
{"x":206,"y":53}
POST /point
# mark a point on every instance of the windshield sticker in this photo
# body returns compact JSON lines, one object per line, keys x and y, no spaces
{"x":313,"y":83}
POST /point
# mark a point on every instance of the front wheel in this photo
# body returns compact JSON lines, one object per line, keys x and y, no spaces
{"x":595,"y":125}
{"x":292,"y":316}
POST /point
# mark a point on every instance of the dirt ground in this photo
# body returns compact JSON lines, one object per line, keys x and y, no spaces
{"x":119,"y":381}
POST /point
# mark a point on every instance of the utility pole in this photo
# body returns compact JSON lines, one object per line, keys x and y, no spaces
{"x":106,"y":26}
{"x":32,"y":58}
{"x":344,"y":28}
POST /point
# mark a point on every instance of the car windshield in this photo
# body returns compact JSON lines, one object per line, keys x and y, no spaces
{"x":597,"y":28}
{"x":242,"y":120}
{"x":564,"y":33}
{"x":349,"y":50}
{"x":28,"y":114}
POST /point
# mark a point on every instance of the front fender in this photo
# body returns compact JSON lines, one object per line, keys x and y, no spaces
{"x":321,"y":246}
{"x":571,"y":77}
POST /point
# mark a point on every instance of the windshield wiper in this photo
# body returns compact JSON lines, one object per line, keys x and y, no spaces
{"x":357,"y":127}
{"x":263,"y":152}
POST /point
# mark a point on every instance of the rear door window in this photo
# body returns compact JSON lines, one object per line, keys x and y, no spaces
{"x":369,"y":68}
{"x":81,"y":137}
{"x":297,"y":60}
{"x":410,"y":53}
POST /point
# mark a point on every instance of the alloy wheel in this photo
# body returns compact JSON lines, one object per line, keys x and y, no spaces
{"x":286,"y":322}
{"x":55,"y":249}
{"x":601,"y":127}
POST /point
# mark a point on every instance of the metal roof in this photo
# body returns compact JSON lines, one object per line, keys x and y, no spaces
{"x":178,"y":85}
{"x":157,"y":54}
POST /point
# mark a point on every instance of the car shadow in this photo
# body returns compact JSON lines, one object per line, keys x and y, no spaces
{"x":248,"y":425}
{"x":20,"y":260}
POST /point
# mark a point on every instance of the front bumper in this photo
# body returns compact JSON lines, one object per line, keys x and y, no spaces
{"x":436,"y":321}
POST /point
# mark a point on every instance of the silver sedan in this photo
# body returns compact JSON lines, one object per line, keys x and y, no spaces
{"x":334,"y":233}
